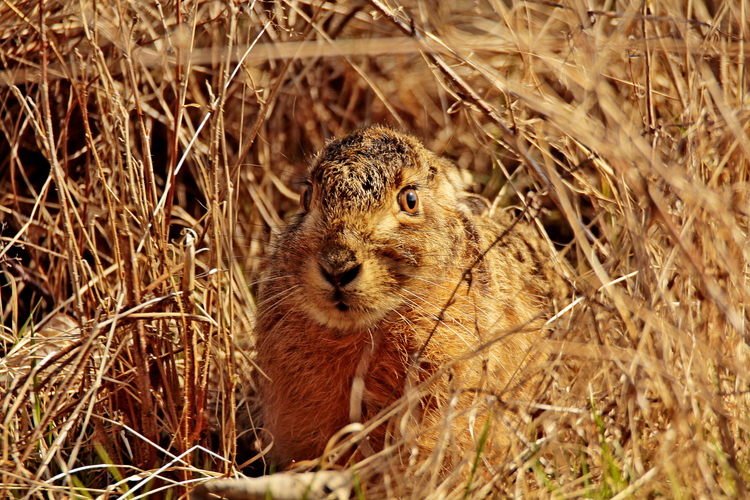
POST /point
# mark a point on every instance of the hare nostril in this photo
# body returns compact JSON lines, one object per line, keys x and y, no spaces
{"x":348,"y":276}
{"x":328,"y":276}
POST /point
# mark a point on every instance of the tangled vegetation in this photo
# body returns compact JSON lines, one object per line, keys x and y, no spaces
{"x":149,"y":152}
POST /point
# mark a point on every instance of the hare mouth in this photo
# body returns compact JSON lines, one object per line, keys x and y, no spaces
{"x":341,"y":306}
{"x":346,"y":315}
{"x":352,"y":307}
{"x":344,"y":309}
{"x":338,"y":300}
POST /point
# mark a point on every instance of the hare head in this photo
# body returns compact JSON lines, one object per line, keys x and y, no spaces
{"x":377,"y":209}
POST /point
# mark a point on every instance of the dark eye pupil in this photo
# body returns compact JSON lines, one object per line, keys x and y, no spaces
{"x":411,"y":200}
{"x":305,"y":199}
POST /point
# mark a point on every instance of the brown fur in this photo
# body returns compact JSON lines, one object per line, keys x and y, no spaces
{"x":311,"y":346}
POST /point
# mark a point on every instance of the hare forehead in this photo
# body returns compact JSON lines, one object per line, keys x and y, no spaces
{"x":367,"y":168}
{"x":360,"y":181}
{"x":363,"y":181}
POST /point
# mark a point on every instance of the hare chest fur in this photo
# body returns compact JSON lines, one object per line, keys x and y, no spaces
{"x":390,"y":269}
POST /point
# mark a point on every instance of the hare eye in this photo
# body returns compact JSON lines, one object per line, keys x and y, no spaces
{"x":304,"y":199}
{"x":408,"y":200}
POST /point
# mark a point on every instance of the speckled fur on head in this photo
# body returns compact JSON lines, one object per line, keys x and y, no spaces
{"x":358,"y":170}
{"x":356,"y":284}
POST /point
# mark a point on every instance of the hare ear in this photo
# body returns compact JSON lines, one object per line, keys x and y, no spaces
{"x":458,"y":178}
{"x":478,"y":205}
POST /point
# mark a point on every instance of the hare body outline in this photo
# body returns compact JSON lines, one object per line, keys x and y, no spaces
{"x":356,"y":286}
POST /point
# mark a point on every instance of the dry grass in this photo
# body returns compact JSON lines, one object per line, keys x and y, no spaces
{"x":149,"y":150}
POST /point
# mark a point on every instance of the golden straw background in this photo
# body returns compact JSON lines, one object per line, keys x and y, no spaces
{"x":150,"y":150}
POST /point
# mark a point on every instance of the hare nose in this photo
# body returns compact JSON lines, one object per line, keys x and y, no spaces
{"x":341,"y":278}
{"x":339,"y":265}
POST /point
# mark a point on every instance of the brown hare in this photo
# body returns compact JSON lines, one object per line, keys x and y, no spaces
{"x":390,"y":273}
